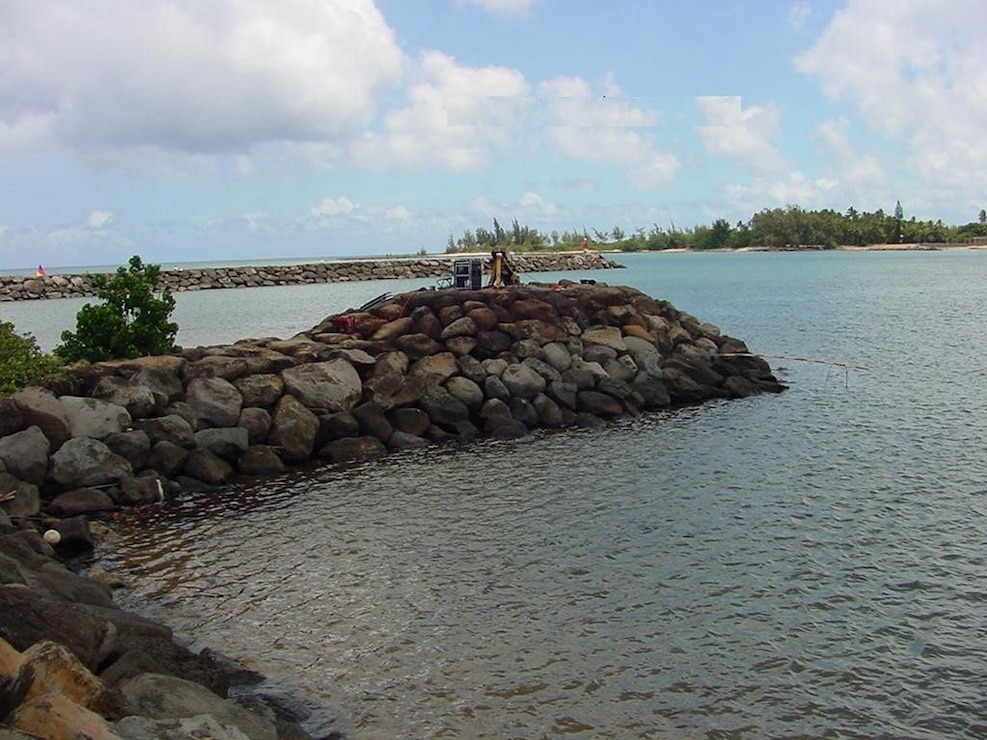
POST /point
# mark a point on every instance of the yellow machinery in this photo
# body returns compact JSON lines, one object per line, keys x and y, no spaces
{"x":502,"y":272}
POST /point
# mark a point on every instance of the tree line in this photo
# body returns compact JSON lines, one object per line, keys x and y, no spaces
{"x":789,"y":227}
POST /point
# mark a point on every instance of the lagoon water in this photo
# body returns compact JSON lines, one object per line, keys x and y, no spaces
{"x":805,"y":564}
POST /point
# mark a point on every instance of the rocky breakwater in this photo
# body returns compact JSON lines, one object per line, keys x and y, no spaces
{"x":422,"y":368}
{"x":23,"y":288}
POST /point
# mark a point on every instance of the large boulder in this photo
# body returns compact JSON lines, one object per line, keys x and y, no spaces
{"x":168,"y":697}
{"x":134,"y":446}
{"x":293,"y":430}
{"x":608,"y":336}
{"x":598,"y":404}
{"x":41,"y":409}
{"x":81,"y":501}
{"x":94,"y":417}
{"x":228,"y":443}
{"x":262,"y":391}
{"x":373,"y":421}
{"x":257,"y":422}
{"x":523,"y":382}
{"x":173,"y":428}
{"x":167,"y":458}
{"x":207,"y":467}
{"x":25,"y":455}
{"x":324,"y":386}
{"x":352,"y":449}
{"x":260,"y":460}
{"x":466,"y":391}
{"x":216,"y":401}
{"x":435,"y":368}
{"x":82,"y":462}
{"x":442,"y":407}
{"x":130,"y":393}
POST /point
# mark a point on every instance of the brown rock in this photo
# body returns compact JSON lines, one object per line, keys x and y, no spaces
{"x":260,"y":390}
{"x":293,"y":430}
{"x":208,"y":467}
{"x":41,"y":409}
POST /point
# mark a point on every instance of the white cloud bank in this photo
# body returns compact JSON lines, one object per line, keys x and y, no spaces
{"x":917,"y":71}
{"x":188,"y":76}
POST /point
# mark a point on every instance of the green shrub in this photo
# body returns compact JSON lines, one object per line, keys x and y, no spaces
{"x":22,"y":363}
{"x":131,"y":322}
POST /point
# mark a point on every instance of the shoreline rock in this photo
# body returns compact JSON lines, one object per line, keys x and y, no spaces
{"x":416,"y":369}
{"x":26,"y":288}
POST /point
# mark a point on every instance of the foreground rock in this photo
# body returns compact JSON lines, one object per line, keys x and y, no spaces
{"x":73,"y":665}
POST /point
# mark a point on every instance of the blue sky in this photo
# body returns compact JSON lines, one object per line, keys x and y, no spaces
{"x":245,"y":129}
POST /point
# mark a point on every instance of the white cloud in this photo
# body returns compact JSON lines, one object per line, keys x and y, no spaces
{"x":99,"y":219}
{"x":798,"y":15}
{"x":334,"y":207}
{"x":794,"y":188}
{"x":864,"y":173}
{"x":605,"y":128}
{"x":742,"y":134}
{"x":456,"y":118}
{"x":917,"y":71}
{"x":398,"y":213}
{"x":506,"y":8}
{"x":191,"y":77}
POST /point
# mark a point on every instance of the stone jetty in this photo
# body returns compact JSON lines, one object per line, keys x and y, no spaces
{"x":416,"y":369}
{"x":21,"y":288}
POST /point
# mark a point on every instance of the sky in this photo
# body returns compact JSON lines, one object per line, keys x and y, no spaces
{"x":192,"y":130}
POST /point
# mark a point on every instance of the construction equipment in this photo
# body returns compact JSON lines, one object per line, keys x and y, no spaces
{"x":502,"y":272}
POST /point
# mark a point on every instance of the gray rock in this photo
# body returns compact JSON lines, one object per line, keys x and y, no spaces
{"x":392,"y":361}
{"x":510,"y":429}
{"x":645,"y":354}
{"x":293,"y":430}
{"x":495,"y":366}
{"x":523,"y":382}
{"x":549,"y":412}
{"x":41,"y":409}
{"x":228,"y":443}
{"x":262,"y":391}
{"x":141,"y":490}
{"x":179,"y":728}
{"x":133,"y":446}
{"x":325,"y":386}
{"x":168,"y":697}
{"x":216,"y":401}
{"x":403,"y":441}
{"x":466,"y":391}
{"x":207,"y":467}
{"x":172,"y":428}
{"x":411,"y":421}
{"x":352,"y":449}
{"x":524,"y":411}
{"x":599,"y":353}
{"x":373,"y":421}
{"x":493,"y":387}
{"x":167,"y":458}
{"x":738,"y":386}
{"x":337,"y":426}
{"x":470,"y":367}
{"x":257,"y":422}
{"x":83,"y":462}
{"x":557,"y":355}
{"x":81,"y":501}
{"x":261,"y":460}
{"x":599,"y":404}
{"x":94,"y":417}
{"x":26,"y":499}
{"x":130,"y":393}
{"x":495,"y":413}
{"x":563,"y":393}
{"x":25,"y":455}
{"x":442,"y":407}
{"x":621,"y":368}
{"x":543,"y":368}
{"x":651,"y":389}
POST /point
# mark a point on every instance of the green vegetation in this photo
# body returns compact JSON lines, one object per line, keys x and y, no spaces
{"x":779,"y":228}
{"x":131,"y":322}
{"x":21,"y":361}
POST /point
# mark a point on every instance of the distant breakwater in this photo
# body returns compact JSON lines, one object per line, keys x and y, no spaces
{"x":20,"y":288}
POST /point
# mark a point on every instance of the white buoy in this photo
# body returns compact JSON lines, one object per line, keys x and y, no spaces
{"x":52,"y":536}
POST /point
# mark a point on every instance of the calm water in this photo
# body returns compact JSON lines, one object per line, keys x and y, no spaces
{"x":809,"y":564}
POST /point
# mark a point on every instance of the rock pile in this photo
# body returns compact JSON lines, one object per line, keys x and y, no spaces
{"x":420,"y":368}
{"x":21,"y":288}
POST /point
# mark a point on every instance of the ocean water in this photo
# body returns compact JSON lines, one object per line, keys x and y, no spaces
{"x":809,"y":564}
